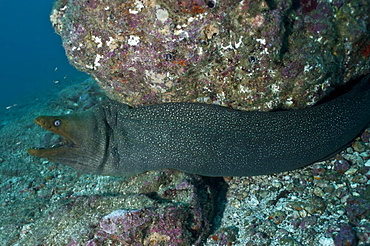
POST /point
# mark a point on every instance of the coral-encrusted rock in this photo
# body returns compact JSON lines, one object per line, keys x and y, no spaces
{"x":169,"y":225}
{"x":242,"y":54}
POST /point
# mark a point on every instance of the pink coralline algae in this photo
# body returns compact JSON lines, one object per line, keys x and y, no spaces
{"x":170,"y":225}
{"x":240,"y":54}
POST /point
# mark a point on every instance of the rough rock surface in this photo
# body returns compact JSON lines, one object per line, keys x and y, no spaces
{"x":322,"y":204}
{"x":240,"y":54}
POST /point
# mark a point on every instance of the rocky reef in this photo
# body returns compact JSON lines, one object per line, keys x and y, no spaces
{"x":241,"y":54}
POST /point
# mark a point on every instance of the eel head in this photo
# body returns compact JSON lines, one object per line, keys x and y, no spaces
{"x":71,"y":132}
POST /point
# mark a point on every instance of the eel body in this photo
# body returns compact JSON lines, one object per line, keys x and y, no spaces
{"x":114,"y":139}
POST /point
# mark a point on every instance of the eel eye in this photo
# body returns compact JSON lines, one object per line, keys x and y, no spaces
{"x":211,"y":4}
{"x":57,"y":123}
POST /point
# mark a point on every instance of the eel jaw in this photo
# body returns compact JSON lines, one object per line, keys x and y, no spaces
{"x":56,"y":150}
{"x":62,"y":148}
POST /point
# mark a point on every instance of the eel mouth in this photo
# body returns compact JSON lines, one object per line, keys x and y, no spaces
{"x":54,"y":143}
{"x":52,"y":148}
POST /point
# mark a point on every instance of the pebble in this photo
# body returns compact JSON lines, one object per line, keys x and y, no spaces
{"x":349,"y":150}
{"x":276,"y":184}
{"x":318,"y":192}
{"x":296,"y":205}
{"x":287,"y":241}
{"x":359,"y":146}
{"x":365,"y":154}
{"x":351,"y":171}
{"x":277,"y":217}
{"x":361,"y":179}
{"x":341,"y":166}
{"x":329,"y":188}
{"x":235,"y":203}
{"x":315,"y":206}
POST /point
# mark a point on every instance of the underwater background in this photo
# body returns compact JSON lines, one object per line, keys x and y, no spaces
{"x":44,"y":203}
{"x":33,"y":59}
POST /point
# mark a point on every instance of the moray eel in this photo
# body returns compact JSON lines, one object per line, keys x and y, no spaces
{"x":114,"y":139}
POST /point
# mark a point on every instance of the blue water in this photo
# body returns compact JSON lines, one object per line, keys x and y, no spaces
{"x":32,"y":57}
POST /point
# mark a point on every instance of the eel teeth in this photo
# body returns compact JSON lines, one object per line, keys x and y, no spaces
{"x":58,"y":143}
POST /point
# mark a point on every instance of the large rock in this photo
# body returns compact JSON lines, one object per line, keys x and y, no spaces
{"x":241,"y":54}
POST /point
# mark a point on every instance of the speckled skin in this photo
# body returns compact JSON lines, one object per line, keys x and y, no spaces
{"x":241,"y":54}
{"x":113,"y":139}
